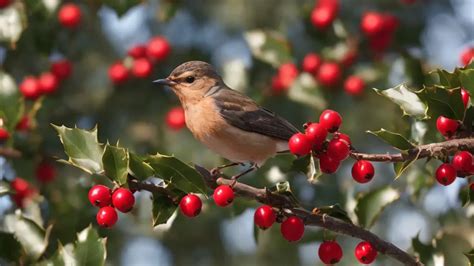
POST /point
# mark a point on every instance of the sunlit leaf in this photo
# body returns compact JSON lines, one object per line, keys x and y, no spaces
{"x":82,"y":147}
{"x":139,"y":168}
{"x":115,"y":161}
{"x":370,"y":205}
{"x":269,"y":46}
{"x":33,"y":238}
{"x":12,"y":22}
{"x":163,"y":209}
{"x":441,"y":101}
{"x":305,"y":90}
{"x":178,"y":173}
{"x":10,"y":248}
{"x":408,"y":101}
{"x":11,"y":101}
{"x":90,"y":248}
{"x":395,"y":139}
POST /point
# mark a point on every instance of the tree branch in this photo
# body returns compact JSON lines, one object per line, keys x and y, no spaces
{"x":428,"y":150}
{"x":10,"y":152}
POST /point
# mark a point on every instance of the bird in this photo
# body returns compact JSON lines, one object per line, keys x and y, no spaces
{"x":225,"y":120}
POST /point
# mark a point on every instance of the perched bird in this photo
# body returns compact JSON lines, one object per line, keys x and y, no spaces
{"x":227,"y":121}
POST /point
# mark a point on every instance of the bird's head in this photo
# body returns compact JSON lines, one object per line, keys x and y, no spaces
{"x":192,"y":80}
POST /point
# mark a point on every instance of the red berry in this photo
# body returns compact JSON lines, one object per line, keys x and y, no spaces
{"x":30,"y":88}
{"x":365,"y":252}
{"x":123,"y":199}
{"x":158,"y":48}
{"x":190,"y":205}
{"x":287,"y":74}
{"x":342,"y":136}
{"x":354,"y":86}
{"x":467,"y":55}
{"x":445,"y":174}
{"x":223,"y":195}
{"x":331,"y":120}
{"x":277,"y":85}
{"x":20,"y":186}
{"x":118,"y":73}
{"x":329,"y":74}
{"x":390,"y":23}
{"x":175,"y":118}
{"x":107,"y":217}
{"x":322,"y":17}
{"x":299,"y":144}
{"x":471,"y":187}
{"x":349,"y":58}
{"x":363,"y":171}
{"x":61,"y":69}
{"x":4,"y":135}
{"x":380,"y":42}
{"x":462,"y":161}
{"x":264,"y":217}
{"x":48,"y":83}
{"x":311,"y":63}
{"x":69,"y":15}
{"x":137,"y":51}
{"x":142,"y":68}
{"x":292,"y":229}
{"x":45,"y":172}
{"x":4,"y":3}
{"x":338,"y":149}
{"x":465,"y":97}
{"x":316,"y":133}
{"x":328,"y":164}
{"x":100,"y":196}
{"x":372,"y":23}
{"x":24,"y":124}
{"x":330,"y":252}
{"x":447,"y":127}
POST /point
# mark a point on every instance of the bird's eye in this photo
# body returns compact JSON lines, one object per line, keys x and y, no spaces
{"x":190,"y":79}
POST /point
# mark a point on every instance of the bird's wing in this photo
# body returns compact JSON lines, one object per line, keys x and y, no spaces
{"x":242,"y":112}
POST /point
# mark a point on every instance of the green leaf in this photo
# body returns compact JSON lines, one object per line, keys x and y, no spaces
{"x":64,"y":256}
{"x":115,"y":161}
{"x":89,"y":248}
{"x":163,"y":209}
{"x":176,"y":172}
{"x":12,"y":23}
{"x":284,"y":189}
{"x":335,"y":211}
{"x":466,"y":196}
{"x":32,"y":237}
{"x":470,"y":256}
{"x":395,"y":139}
{"x":308,"y":166}
{"x":269,"y":46}
{"x":10,"y":248}
{"x":424,"y":252}
{"x":447,"y":79}
{"x":371,"y":204}
{"x":305,"y":90}
{"x":400,"y":167}
{"x":120,"y":6}
{"x":4,"y":188}
{"x":139,"y":168}
{"x":441,"y":101}
{"x":466,"y":77}
{"x":82,"y":147}
{"x":408,"y":101}
{"x":11,"y":102}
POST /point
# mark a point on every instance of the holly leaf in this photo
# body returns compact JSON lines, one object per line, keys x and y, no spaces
{"x":163,"y":209}
{"x":115,"y":161}
{"x":408,"y":101}
{"x":441,"y":101}
{"x":466,"y":195}
{"x":335,"y":211}
{"x":304,"y":89}
{"x":89,"y":249}
{"x":82,"y":147}
{"x":395,"y":139}
{"x":10,"y":248}
{"x":466,"y":77}
{"x":269,"y":46}
{"x":12,"y":22}
{"x":176,"y":172}
{"x":33,"y":238}
{"x":284,"y":189}
{"x":139,"y":168}
{"x":447,"y":79}
{"x":470,"y":256}
{"x":11,"y":101}
{"x":400,"y":167}
{"x":424,"y":252}
{"x":309,"y":166}
{"x":370,"y":205}
{"x":121,"y":6}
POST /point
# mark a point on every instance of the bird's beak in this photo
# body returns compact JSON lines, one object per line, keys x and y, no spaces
{"x":165,"y":82}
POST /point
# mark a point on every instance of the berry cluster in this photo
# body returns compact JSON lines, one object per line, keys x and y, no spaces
{"x":467,"y":56}
{"x":140,"y":60}
{"x":47,"y":83}
{"x":69,"y":15}
{"x":461,"y":164}
{"x":107,"y":200}
{"x":379,"y":28}
{"x":324,"y":13}
{"x":22,"y":191}
{"x":330,"y":252}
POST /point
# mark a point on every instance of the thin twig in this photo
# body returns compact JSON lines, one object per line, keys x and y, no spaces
{"x":10,"y":153}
